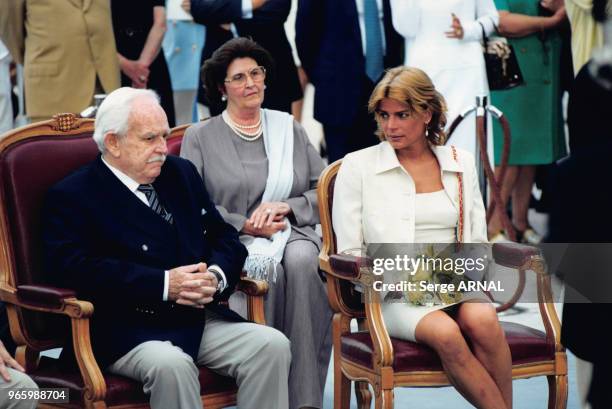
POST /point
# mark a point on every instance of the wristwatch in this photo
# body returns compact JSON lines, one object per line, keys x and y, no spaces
{"x":219,"y":279}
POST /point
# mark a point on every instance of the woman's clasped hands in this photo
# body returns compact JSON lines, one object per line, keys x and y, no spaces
{"x":267,"y":219}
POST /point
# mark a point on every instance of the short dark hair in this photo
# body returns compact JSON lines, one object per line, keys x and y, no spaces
{"x":214,"y":70}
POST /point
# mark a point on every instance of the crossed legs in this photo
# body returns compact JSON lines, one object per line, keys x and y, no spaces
{"x":483,"y":374}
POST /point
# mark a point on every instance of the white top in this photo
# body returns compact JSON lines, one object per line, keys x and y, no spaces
{"x":435,"y":219}
{"x":375,"y":198}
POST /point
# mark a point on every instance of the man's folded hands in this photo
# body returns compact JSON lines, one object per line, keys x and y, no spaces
{"x":192,"y":285}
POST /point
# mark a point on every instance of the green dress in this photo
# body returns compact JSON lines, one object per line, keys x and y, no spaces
{"x":533,"y":109}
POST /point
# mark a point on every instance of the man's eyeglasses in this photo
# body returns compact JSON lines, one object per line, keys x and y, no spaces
{"x":257,"y":74}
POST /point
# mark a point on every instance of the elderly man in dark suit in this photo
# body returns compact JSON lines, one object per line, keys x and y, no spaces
{"x":136,"y":233}
{"x":344,"y":46}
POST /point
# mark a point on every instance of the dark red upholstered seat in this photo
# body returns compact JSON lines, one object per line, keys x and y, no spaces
{"x":526,"y":345}
{"x":174,"y":145}
{"x":120,"y":390}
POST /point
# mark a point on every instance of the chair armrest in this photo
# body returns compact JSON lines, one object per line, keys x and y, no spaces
{"x":63,"y":301}
{"x":529,"y":258}
{"x":43,"y":296}
{"x":252,"y":287}
{"x":47,"y":299}
{"x":359,"y":269}
{"x":348,"y":267}
{"x":255,"y":290}
{"x":513,"y":255}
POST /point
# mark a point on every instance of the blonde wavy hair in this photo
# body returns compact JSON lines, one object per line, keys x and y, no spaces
{"x":414,"y":88}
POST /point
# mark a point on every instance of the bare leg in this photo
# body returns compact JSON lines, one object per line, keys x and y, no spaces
{"x":495,"y":224}
{"x":479,"y":323}
{"x":464,"y":371}
{"x":521,"y":196}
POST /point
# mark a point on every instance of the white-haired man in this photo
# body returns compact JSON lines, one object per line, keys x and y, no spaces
{"x":136,"y":233}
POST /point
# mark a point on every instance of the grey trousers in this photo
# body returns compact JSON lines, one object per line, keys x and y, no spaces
{"x":297,"y":305}
{"x":258,"y":357}
{"x":19,"y":380}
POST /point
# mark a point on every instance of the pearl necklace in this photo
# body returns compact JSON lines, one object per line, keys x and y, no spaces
{"x":243,"y":130}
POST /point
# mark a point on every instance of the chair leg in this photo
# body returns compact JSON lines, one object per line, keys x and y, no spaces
{"x":342,"y":388}
{"x":384,"y":399}
{"x":363,"y":394}
{"x":557,"y":391}
{"x":342,"y":385}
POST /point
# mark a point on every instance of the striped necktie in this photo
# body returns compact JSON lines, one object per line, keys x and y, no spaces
{"x":373,"y":35}
{"x":154,"y":203}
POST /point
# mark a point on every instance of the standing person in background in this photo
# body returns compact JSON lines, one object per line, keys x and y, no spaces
{"x":182,"y":47}
{"x":580,"y":216}
{"x":443,"y":39}
{"x":6,"y":106}
{"x":533,"y":109}
{"x":139,"y":28}
{"x":263,"y":22}
{"x":587,"y":33}
{"x":345,"y":46}
{"x":67,"y":50}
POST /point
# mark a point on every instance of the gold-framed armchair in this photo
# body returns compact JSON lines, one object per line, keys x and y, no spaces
{"x":41,"y":317}
{"x":371,"y":356}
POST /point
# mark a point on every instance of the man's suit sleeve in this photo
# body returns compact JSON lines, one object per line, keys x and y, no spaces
{"x":77,"y":264}
{"x":226,"y":250}
{"x":309,"y":25}
{"x":216,"y":11}
{"x":273,"y":11}
{"x":12,"y":14}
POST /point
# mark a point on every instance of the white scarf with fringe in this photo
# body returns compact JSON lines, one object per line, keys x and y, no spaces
{"x":265,"y":254}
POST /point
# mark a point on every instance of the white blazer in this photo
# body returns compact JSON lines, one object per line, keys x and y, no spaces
{"x":374,"y":197}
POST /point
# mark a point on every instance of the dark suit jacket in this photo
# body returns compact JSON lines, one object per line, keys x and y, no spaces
{"x":328,"y":40}
{"x":102,"y":241}
{"x":266,"y":27}
{"x":5,"y":332}
{"x":580,"y":216}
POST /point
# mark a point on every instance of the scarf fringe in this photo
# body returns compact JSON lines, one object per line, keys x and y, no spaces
{"x":257,"y":267}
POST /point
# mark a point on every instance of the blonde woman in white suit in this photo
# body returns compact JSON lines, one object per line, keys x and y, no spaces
{"x":408,"y":189}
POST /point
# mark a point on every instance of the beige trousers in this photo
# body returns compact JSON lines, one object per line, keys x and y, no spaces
{"x":19,"y":380}
{"x":258,"y":357}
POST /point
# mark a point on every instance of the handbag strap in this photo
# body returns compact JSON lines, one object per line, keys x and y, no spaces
{"x":485,"y":39}
{"x":459,"y":231}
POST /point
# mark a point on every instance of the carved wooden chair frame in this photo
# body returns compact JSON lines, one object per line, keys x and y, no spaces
{"x":343,"y":271}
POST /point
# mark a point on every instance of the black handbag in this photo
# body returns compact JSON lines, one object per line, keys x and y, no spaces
{"x":503,"y":71}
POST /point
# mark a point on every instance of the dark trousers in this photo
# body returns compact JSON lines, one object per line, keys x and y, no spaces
{"x":343,"y":139}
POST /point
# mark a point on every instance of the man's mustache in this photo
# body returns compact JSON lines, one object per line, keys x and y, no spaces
{"x":158,"y":158}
